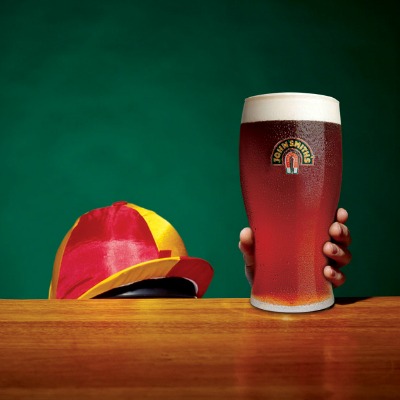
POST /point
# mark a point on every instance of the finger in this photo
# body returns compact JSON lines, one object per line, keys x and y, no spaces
{"x":334,"y":276}
{"x":342,"y":215}
{"x":248,"y":254}
{"x":249,"y":271}
{"x":246,"y":245}
{"x":246,"y":237}
{"x":340,"y":233}
{"x":341,"y":255}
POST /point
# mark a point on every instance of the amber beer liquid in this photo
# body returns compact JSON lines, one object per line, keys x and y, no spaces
{"x":291,"y":170}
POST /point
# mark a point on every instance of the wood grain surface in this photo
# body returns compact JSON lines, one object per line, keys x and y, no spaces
{"x":198,"y":349}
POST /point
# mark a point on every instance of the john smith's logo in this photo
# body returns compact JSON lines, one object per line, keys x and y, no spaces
{"x":292,"y":153}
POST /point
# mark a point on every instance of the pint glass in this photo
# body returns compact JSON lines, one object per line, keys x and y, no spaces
{"x":290,"y":171}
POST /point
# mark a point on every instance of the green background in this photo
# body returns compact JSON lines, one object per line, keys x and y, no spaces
{"x":141,"y":101}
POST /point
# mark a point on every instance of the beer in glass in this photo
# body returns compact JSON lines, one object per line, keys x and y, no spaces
{"x":290,"y":171}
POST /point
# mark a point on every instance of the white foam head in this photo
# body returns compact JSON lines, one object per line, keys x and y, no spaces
{"x":291,"y":106}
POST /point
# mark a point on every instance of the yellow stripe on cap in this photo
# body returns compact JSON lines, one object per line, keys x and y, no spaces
{"x":164,"y":234}
{"x":57,"y":263}
{"x":158,"y":268}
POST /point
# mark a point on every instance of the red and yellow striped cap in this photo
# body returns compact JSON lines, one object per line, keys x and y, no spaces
{"x":118,"y":245}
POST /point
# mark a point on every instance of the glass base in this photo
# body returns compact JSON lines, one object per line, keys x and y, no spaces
{"x":293,"y":309}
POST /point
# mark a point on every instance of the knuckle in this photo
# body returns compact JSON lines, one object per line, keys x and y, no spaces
{"x":349,"y":257}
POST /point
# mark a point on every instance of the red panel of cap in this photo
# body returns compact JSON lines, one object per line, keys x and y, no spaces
{"x":105,"y":241}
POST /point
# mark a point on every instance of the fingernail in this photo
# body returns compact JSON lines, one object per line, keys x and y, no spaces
{"x":334,"y":249}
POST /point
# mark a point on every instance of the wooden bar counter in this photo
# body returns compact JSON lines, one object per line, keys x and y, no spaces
{"x":198,"y":349}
